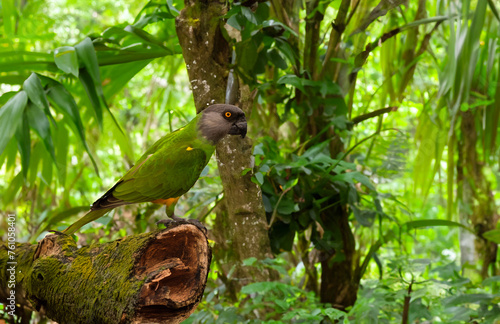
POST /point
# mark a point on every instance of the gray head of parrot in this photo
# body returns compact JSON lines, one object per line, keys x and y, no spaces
{"x":220,"y":120}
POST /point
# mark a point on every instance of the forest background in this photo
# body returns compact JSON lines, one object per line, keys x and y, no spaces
{"x":369,"y":191}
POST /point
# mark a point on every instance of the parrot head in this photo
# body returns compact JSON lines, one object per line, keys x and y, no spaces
{"x":220,"y":120}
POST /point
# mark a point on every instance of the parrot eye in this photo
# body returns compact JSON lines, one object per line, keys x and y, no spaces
{"x":227,"y":114}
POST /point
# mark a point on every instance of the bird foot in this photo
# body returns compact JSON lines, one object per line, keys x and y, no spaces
{"x":174,"y":220}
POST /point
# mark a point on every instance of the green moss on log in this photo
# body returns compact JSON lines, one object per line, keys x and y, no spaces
{"x":75,"y":277}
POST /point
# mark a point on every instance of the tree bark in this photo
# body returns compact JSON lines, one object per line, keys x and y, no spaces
{"x":339,"y":284}
{"x":241,"y":227}
{"x":478,"y":205}
{"x":156,"y":277}
{"x":241,"y":224}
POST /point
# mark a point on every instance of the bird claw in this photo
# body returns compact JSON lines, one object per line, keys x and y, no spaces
{"x":179,"y":221}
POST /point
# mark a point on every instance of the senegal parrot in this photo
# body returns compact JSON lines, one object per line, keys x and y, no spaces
{"x":172,"y":165}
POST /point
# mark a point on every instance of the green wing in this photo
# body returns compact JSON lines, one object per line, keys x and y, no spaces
{"x":167,"y":173}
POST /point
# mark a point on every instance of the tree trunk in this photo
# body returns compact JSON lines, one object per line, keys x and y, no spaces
{"x":241,"y":227}
{"x":339,"y":284}
{"x":478,"y":205}
{"x":156,"y":277}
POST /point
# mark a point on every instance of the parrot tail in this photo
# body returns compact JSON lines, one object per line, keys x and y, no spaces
{"x":90,"y":216}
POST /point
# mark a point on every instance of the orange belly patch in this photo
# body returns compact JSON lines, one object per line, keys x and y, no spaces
{"x":169,"y":201}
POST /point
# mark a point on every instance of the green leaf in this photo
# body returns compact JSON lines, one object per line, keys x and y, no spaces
{"x":86,"y":53}
{"x":9,"y":154}
{"x":90,"y":89}
{"x":245,"y":171}
{"x":364,"y":217}
{"x":290,"y":183}
{"x":9,"y":16}
{"x":13,"y":188}
{"x":172,"y":9}
{"x":152,"y":18}
{"x":292,"y":80}
{"x":40,"y":124}
{"x":274,"y":56}
{"x":432,"y":223}
{"x":493,"y":236}
{"x":450,"y":176}
{"x":260,"y":287}
{"x":492,"y":120}
{"x":233,"y":19}
{"x":252,"y":261}
{"x":36,"y":157}
{"x":344,"y":177}
{"x":259,"y":177}
{"x":491,"y":280}
{"x":10,"y":117}
{"x":47,"y":169}
{"x":66,"y":59}
{"x":36,"y":93}
{"x":287,"y":50}
{"x":425,"y":21}
{"x":333,"y":313}
{"x":115,"y":77}
{"x":328,"y":87}
{"x":249,"y":15}
{"x":364,"y":180}
{"x":432,"y":140}
{"x":494,"y":9}
{"x":62,"y":148}
{"x":466,"y":299}
{"x":283,"y":304}
{"x":247,"y":54}
{"x":63,"y":100}
{"x":286,"y":207}
{"x":24,"y":144}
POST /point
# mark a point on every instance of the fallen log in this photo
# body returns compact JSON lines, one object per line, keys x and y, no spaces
{"x":156,"y":277}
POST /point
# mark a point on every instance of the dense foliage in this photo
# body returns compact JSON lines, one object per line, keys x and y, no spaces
{"x":375,"y":128}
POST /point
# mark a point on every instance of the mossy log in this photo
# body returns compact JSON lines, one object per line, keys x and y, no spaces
{"x":156,"y":277}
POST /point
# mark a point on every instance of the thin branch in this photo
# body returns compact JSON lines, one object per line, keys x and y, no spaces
{"x":202,"y":217}
{"x":362,"y":56}
{"x":406,"y":306}
{"x":312,"y":38}
{"x":338,"y":28}
{"x":275,"y":211}
{"x":360,"y":271}
{"x":358,"y":119}
{"x":351,"y":14}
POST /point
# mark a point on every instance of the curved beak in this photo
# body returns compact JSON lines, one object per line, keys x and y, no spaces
{"x":239,"y":128}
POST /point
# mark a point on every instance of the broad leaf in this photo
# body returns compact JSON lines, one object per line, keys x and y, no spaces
{"x":10,"y":117}
{"x":36,"y":93}
{"x":493,"y":236}
{"x":40,"y":124}
{"x":63,"y":100}
{"x":66,"y":59}
{"x":433,"y":222}
{"x":24,"y":143}
{"x":86,"y":53}
{"x":90,"y":89}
